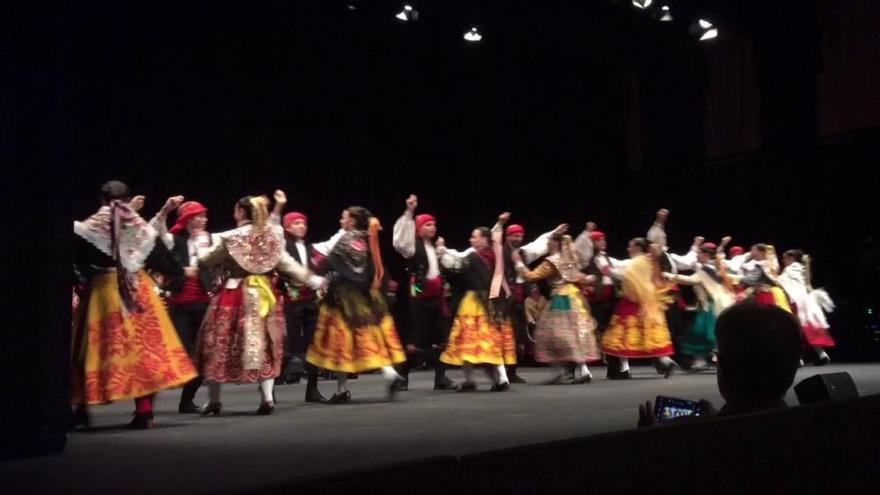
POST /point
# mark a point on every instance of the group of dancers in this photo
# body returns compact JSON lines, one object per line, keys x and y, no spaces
{"x":158,"y":308}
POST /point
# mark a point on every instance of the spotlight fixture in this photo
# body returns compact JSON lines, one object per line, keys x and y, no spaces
{"x":473,"y":35}
{"x":408,"y":14}
{"x":667,"y":15}
{"x":642,"y":4}
{"x":704,"y":30}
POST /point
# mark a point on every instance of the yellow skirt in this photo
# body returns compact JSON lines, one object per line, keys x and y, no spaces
{"x":476,"y":338}
{"x":629,"y":336}
{"x":122,"y":355}
{"x":338,"y":347}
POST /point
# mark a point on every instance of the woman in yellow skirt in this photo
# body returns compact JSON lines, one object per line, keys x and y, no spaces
{"x":355,"y":331}
{"x":638,"y":328}
{"x":482,"y":333}
{"x":124,"y":344}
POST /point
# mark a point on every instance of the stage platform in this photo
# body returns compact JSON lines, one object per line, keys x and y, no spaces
{"x":191,"y":454}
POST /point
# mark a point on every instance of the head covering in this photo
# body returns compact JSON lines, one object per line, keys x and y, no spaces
{"x":515,"y":229}
{"x":185,"y":211}
{"x":597,"y":235}
{"x":292,"y":217}
{"x":736,"y":250}
{"x":709,"y":247}
{"x":421,"y":220}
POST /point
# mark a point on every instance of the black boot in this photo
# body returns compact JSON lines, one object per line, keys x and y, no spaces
{"x":187,"y":397}
{"x":441,"y":381}
{"x":513,"y":377}
{"x":312,"y":392}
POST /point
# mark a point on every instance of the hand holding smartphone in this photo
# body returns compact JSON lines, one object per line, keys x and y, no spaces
{"x":669,"y":408}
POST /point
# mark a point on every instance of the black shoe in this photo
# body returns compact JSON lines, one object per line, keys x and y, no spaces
{"x":266,"y":408}
{"x":343,"y":398}
{"x":444,"y":384}
{"x":514,"y":378}
{"x":212,"y":409}
{"x":619,"y":375}
{"x":397,"y":385}
{"x":823,"y":361}
{"x":500,"y":387}
{"x":584,"y":379}
{"x":666,"y":370}
{"x":467,"y":387}
{"x":141,"y":421}
{"x":189,"y":408}
{"x":314,"y":395}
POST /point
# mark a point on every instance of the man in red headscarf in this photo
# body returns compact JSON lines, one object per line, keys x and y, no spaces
{"x":414,"y":240}
{"x":187,"y":295}
{"x":301,"y":302}
{"x":513,"y":241}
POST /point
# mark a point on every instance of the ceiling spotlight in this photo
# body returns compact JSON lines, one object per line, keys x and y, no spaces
{"x":642,"y":4}
{"x":408,"y":14}
{"x":473,"y":35}
{"x":667,"y":16}
{"x":710,"y":34}
{"x":703,"y":30}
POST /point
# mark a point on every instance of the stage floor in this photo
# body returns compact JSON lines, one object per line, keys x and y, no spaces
{"x":191,"y":454}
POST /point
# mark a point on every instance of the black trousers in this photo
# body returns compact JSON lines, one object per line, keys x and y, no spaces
{"x":187,"y":319}
{"x":301,"y":319}
{"x":602,"y":312}
{"x":429,"y":332}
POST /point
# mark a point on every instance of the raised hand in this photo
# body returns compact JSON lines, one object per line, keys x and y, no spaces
{"x":504,"y":217}
{"x":412,"y":202}
{"x":725,"y":240}
{"x":137,"y":203}
{"x":591,"y":226}
{"x":698,"y":240}
{"x":561,"y":229}
{"x":171,"y":203}
{"x":440,"y":242}
{"x":662,"y":215}
{"x":280,"y":197}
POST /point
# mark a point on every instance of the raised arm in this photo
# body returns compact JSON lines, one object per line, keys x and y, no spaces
{"x":539,"y":246}
{"x":159,"y":220}
{"x":404,"y":239}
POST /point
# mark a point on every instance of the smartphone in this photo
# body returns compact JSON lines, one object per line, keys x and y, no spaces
{"x":669,"y":408}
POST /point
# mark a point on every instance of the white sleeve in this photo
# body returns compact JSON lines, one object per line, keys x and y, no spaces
{"x":404,"y":240}
{"x":657,"y":234}
{"x":158,"y":223}
{"x":583,"y":246}
{"x":736,"y":263}
{"x":685,"y":262}
{"x":536,"y":248}
{"x":291,"y":268}
{"x":325,"y":247}
{"x":616,"y":267}
{"x":453,"y":260}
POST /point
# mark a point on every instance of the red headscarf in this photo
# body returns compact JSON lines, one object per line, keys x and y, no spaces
{"x":736,"y":250}
{"x":516,"y":229}
{"x":294,"y":216}
{"x":421,"y":220}
{"x":185,"y":211}
{"x":597,"y":235}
